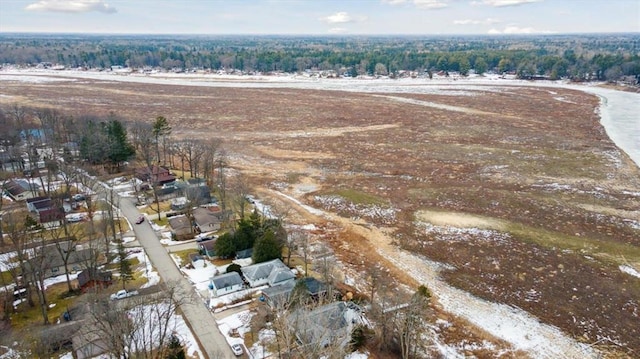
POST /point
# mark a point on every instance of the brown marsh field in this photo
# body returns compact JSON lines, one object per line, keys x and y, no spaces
{"x":517,"y":189}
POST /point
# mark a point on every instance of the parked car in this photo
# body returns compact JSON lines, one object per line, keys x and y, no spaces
{"x":122,"y":293}
{"x":140,"y":219}
{"x":237,"y":349}
{"x":79,"y":197}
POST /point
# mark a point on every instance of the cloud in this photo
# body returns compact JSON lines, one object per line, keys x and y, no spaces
{"x":338,"y":18}
{"x":430,"y":4}
{"x":515,"y":30}
{"x":72,"y":6}
{"x":503,"y":3}
{"x":342,"y":18}
{"x":422,"y":4}
{"x":487,"y":21}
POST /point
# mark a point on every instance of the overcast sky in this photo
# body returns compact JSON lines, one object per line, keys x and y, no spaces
{"x":320,"y":17}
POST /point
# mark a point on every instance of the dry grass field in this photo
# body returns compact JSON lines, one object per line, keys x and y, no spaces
{"x":517,"y":189}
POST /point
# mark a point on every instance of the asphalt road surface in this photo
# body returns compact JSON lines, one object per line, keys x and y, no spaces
{"x":201,"y":321}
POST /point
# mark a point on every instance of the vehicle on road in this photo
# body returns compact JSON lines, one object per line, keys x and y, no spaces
{"x":140,"y":219}
{"x":123,"y":293}
{"x":237,"y":349}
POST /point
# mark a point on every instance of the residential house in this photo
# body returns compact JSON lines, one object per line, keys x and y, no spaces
{"x":92,"y":278}
{"x":198,"y":195}
{"x":273,"y":273}
{"x":208,"y":219}
{"x":245,"y":253}
{"x":207,"y":247}
{"x":157,"y":175}
{"x":179,"y":203}
{"x":279,"y":295}
{"x":48,"y":214}
{"x":181,"y":228}
{"x":88,"y":343}
{"x":325,"y":325}
{"x":20,"y":189}
{"x":38,"y":203}
{"x":49,"y":259}
{"x":9,"y":162}
{"x":225,"y":284}
{"x":197,"y":260}
{"x":315,"y":288}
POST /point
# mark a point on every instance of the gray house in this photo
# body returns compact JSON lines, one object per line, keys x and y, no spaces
{"x":328,"y":324}
{"x":272,"y":273}
{"x":225,"y":284}
{"x":208,"y":219}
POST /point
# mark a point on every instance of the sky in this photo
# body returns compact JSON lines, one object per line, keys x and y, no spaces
{"x":320,"y":17}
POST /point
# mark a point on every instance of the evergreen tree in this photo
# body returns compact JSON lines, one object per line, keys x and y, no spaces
{"x":126,"y":274}
{"x":267,"y":248}
{"x":161,"y":129}
{"x":176,"y":351}
{"x":119,"y":148}
{"x":225,"y":246}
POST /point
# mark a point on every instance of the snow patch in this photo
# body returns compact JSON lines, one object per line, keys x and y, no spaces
{"x":629,"y":270}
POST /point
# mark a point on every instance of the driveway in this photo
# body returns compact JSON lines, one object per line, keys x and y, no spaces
{"x":198,"y":317}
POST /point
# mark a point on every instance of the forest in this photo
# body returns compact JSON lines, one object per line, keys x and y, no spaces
{"x":601,"y":57}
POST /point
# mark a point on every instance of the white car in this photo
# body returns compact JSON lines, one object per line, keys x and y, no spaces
{"x":121,"y":294}
{"x":237,"y":349}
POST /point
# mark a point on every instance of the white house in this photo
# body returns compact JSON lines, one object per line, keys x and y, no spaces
{"x":225,"y":284}
{"x":272,"y":273}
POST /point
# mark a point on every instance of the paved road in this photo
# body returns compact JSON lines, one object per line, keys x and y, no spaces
{"x":196,"y":314}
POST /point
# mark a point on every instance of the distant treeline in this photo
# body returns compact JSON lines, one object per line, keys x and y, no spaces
{"x":579,"y":57}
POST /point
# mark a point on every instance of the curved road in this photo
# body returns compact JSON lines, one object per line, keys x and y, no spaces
{"x":201,"y":321}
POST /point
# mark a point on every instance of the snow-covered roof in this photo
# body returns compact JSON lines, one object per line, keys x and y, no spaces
{"x":264,"y":269}
{"x":226,"y":280}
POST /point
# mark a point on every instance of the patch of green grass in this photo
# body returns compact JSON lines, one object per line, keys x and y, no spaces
{"x":161,"y":222}
{"x":358,"y":197}
{"x":293,"y":177}
{"x":184,"y":255}
{"x":58,"y":303}
{"x":608,"y":251}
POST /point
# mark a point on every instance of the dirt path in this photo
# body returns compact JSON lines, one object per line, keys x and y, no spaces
{"x":515,"y":326}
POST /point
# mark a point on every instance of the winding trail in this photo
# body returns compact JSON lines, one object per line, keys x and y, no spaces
{"x":513,"y":325}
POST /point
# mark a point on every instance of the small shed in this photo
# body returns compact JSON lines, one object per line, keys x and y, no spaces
{"x":92,"y":278}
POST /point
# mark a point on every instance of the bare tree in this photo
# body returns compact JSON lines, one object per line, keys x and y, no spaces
{"x":148,"y":156}
{"x":240,"y":192}
{"x":19,"y":243}
{"x":303,"y":243}
{"x":65,"y":240}
{"x":139,"y":326}
{"x":212,"y":147}
{"x":293,"y":239}
{"x":410,"y":325}
{"x":39,"y":264}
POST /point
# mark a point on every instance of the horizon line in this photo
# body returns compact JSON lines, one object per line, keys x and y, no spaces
{"x":311,"y":34}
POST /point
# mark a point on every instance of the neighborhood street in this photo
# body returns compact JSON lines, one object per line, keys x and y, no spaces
{"x":196,"y":314}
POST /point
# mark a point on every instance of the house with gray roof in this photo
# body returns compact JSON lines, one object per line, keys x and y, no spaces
{"x":273,"y":273}
{"x":325,"y":325}
{"x":208,"y":219}
{"x":225,"y":284}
